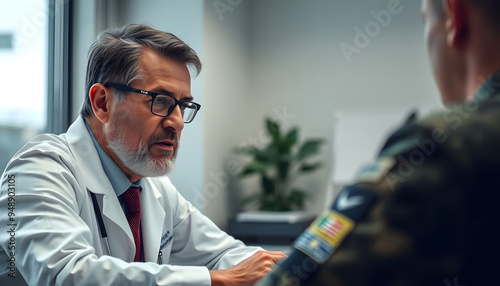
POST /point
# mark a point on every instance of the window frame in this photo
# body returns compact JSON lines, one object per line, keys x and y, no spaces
{"x":59,"y":66}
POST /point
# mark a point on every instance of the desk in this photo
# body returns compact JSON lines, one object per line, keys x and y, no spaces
{"x":275,"y":235}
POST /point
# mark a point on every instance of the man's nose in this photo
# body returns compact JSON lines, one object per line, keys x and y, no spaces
{"x":174,"y":120}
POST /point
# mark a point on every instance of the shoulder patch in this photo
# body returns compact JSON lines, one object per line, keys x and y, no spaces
{"x":320,"y":240}
{"x":324,"y":235}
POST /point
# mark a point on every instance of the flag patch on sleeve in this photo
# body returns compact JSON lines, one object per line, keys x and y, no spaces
{"x":324,"y":235}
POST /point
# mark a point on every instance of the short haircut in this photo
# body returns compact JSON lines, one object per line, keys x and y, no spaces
{"x":114,"y":56}
{"x":490,"y":10}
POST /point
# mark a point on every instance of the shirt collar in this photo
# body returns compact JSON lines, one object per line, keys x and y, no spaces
{"x":117,"y":178}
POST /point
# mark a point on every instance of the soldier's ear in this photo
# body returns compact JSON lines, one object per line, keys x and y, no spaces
{"x":100,"y":99}
{"x":457,"y":22}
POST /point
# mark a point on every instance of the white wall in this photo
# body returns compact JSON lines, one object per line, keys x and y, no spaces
{"x":296,"y":61}
{"x":227,"y":103}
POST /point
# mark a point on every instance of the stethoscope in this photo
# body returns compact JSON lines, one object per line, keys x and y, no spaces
{"x":102,"y":228}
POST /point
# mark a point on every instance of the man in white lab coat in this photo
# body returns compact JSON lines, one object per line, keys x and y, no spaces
{"x":92,"y":207}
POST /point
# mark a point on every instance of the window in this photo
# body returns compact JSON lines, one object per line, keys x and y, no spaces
{"x":33,"y":73}
{"x":23,"y":74}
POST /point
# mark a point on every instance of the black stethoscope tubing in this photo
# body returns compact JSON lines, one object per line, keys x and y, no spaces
{"x":100,"y":221}
{"x":102,"y":228}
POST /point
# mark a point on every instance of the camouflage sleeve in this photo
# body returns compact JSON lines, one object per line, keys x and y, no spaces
{"x":435,"y":184}
{"x":430,"y":216}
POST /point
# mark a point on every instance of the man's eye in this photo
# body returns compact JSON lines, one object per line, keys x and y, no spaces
{"x":160,"y":100}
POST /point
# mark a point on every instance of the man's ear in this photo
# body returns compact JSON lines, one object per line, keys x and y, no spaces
{"x":457,"y":22}
{"x":100,"y":99}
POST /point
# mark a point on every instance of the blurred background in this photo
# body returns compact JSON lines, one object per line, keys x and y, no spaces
{"x":348,"y":71}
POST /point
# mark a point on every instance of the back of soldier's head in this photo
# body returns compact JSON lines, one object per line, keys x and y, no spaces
{"x":490,"y":10}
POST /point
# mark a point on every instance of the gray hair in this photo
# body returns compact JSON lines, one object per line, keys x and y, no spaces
{"x":114,"y":56}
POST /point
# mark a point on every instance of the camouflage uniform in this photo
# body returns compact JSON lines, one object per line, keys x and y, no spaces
{"x":434,"y":217}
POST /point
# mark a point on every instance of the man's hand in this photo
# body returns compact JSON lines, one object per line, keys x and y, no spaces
{"x":248,"y":271}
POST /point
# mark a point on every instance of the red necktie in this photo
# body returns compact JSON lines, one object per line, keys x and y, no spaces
{"x":132,"y":200}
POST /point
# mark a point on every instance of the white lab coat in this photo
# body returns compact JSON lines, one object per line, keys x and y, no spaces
{"x":56,"y":234}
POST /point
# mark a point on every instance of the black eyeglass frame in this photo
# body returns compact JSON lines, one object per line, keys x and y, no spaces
{"x":154,"y":95}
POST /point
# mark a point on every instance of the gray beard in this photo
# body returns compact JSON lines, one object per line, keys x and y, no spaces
{"x":140,"y":162}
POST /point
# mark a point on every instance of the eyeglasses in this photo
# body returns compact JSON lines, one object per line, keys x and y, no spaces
{"x":163,"y":104}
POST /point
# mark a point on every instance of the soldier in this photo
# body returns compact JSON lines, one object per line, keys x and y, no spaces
{"x":425,"y":212}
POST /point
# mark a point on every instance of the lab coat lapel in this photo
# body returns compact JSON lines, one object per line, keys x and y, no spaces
{"x":152,"y":221}
{"x":117,"y":227}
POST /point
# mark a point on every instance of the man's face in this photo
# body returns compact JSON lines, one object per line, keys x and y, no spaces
{"x":147,"y":144}
{"x":446,"y":66}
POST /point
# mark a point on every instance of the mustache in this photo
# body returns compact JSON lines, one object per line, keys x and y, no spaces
{"x":167,"y":135}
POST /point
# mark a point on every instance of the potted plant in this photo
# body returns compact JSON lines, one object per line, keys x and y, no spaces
{"x":278,"y":164}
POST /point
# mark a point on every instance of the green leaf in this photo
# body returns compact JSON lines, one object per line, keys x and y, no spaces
{"x":289,"y":141}
{"x":255,"y":167}
{"x":309,"y":148}
{"x":283,"y":168}
{"x":274,"y":163}
{"x":292,"y":136}
{"x":266,"y":155}
{"x":305,"y":168}
{"x":251,"y":198}
{"x":273,"y":207}
{"x":267,"y":185}
{"x":288,"y":158}
{"x":273,"y":129}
